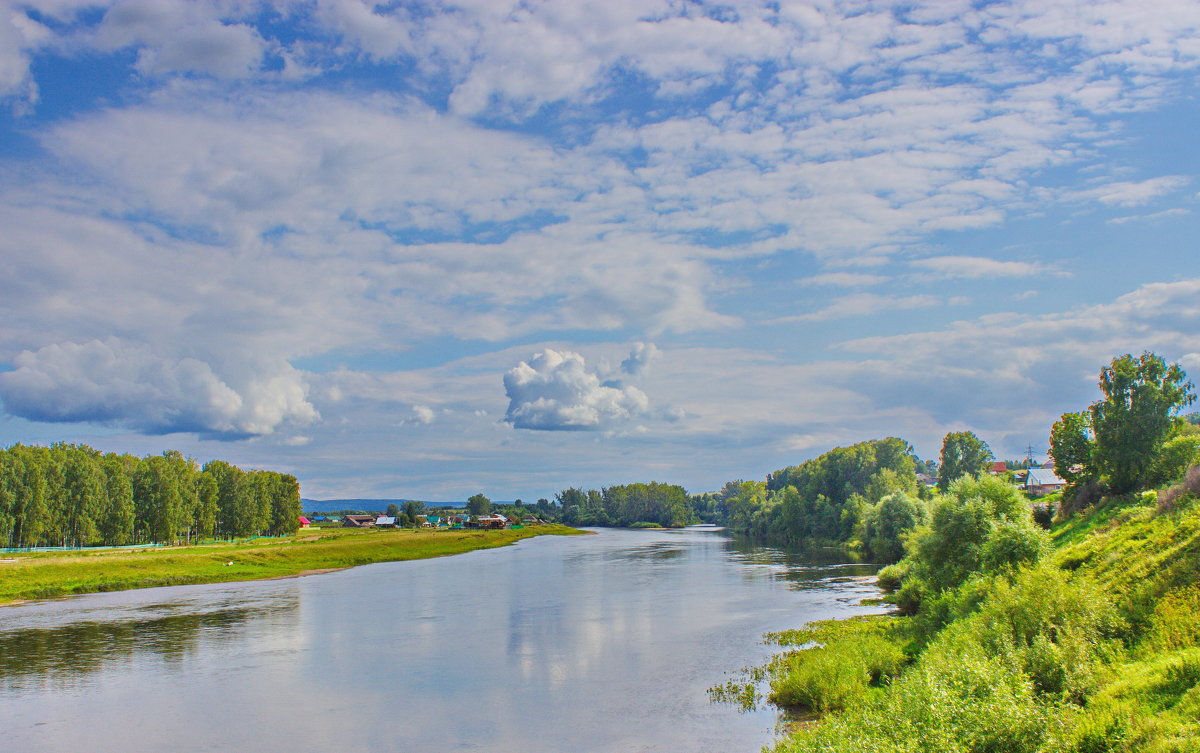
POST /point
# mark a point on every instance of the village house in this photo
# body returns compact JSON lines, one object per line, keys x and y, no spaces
{"x":1041,"y":481}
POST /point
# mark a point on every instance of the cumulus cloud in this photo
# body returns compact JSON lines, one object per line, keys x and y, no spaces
{"x":116,"y":383}
{"x":422,"y":414}
{"x":639,"y":358}
{"x":182,"y":35}
{"x":555,"y":391}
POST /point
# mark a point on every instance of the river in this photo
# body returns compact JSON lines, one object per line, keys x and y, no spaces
{"x":582,"y":644}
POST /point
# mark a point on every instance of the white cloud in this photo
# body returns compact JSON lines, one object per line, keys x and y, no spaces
{"x":20,"y":35}
{"x":1166,"y":213}
{"x":1133,"y":193}
{"x":844,"y":280}
{"x":556,"y":391}
{"x":974,"y":267}
{"x":863,"y":304}
{"x":422,"y":414}
{"x":182,"y":35}
{"x":639,"y":358}
{"x":117,"y":383}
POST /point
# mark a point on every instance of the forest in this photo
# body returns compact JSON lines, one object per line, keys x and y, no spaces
{"x":73,"y":495}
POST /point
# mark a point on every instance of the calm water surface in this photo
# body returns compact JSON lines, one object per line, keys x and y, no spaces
{"x":585,"y":644}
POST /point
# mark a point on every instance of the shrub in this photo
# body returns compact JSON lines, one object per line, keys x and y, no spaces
{"x":1174,"y":458}
{"x":890,"y":577}
{"x":1043,"y":514}
{"x":1169,"y":499}
{"x":1058,"y":631}
{"x":940,"y":610}
{"x":1012,"y":544}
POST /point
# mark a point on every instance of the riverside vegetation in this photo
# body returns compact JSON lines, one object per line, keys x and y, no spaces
{"x":73,"y":495}
{"x":1083,"y":638}
{"x":43,"y":575}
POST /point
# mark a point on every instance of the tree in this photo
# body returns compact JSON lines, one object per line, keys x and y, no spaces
{"x":1071,"y":447}
{"x":1136,"y":416}
{"x":963,"y":454}
{"x":886,"y":522}
{"x":413,"y":508}
{"x":477,"y":504}
{"x":393,"y":510}
{"x":207,"y":495}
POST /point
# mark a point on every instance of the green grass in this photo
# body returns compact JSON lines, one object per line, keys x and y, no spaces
{"x":46,"y":575}
{"x":1095,"y":650}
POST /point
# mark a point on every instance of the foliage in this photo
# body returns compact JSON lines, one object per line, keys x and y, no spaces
{"x":824,"y":499}
{"x":963,"y":454}
{"x":885,"y":524}
{"x":1071,"y":447}
{"x":1175,"y":456}
{"x":626,"y":505}
{"x":1135,"y":416}
{"x":981,"y":525}
{"x":477,"y":504}
{"x":1013,"y":543}
{"x":72,"y":495}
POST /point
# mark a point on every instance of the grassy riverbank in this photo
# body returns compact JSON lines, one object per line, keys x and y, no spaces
{"x":1095,"y":647}
{"x":45,"y":575}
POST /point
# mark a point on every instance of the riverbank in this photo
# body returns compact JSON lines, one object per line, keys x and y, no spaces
{"x":1093,"y":646}
{"x":47,"y":575}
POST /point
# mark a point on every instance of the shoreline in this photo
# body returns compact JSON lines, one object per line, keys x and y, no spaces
{"x":42,"y":576}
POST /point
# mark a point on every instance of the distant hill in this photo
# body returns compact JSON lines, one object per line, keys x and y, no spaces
{"x":366,"y":505}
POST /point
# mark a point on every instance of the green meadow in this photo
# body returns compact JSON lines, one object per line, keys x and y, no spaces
{"x":51,"y":574}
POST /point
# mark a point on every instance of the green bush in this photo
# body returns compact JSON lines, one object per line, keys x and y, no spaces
{"x":890,"y":577}
{"x":1059,"y":632}
{"x":1013,"y":544}
{"x":1174,"y":458}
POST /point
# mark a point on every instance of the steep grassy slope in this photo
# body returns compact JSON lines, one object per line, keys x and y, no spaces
{"x":1095,"y":648}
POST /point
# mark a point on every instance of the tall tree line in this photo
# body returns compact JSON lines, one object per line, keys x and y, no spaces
{"x":626,"y":504}
{"x":74,"y":495}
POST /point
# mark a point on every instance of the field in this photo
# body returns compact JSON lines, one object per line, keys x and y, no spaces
{"x":47,"y":575}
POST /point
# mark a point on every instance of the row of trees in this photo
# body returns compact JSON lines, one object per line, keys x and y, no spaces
{"x":74,"y":495}
{"x":1133,"y":438}
{"x":826,"y":499}
{"x":625,"y":505}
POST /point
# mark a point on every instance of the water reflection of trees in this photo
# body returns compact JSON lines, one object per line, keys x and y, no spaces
{"x":68,"y":654}
{"x":802,"y":567}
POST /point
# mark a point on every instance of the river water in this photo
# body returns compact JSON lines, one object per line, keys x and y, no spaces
{"x":588,"y":644}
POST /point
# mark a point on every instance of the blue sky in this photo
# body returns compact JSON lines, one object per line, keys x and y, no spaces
{"x":429,"y":249}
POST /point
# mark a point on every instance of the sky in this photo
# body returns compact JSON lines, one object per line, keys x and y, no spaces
{"x":429,"y":249}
